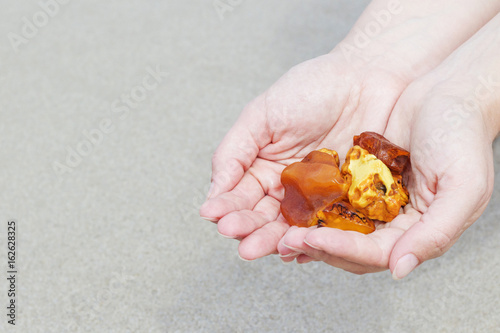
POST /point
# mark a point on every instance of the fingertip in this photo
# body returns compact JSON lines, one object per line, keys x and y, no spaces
{"x":263,"y":241}
{"x":294,"y":238}
{"x":315,"y":238}
{"x":289,"y":255}
{"x":206,"y":212}
{"x":246,"y":253}
{"x":210,"y":219}
{"x":228,"y":226}
{"x":226,"y":236}
{"x":286,"y":254}
{"x":304,"y":259}
{"x":245,"y":259}
{"x":219,"y":206}
{"x":312,"y":245}
{"x":288,"y":261}
{"x":283,"y":250}
{"x":421,"y":242}
{"x":250,"y":248}
{"x":404,"y":266}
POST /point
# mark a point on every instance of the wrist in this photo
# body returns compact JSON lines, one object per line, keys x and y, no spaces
{"x":412,"y":37}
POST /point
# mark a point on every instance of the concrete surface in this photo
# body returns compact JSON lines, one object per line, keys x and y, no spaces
{"x":108,"y":233}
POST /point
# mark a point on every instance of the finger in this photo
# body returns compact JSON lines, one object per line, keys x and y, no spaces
{"x":284,"y":250}
{"x":286,"y":253}
{"x":244,"y":222}
{"x":244,"y":196}
{"x":451,"y":212}
{"x":341,"y":263}
{"x":290,"y":258}
{"x":304,"y":259}
{"x":239,"y":148}
{"x":359,"y":253}
{"x":355,"y":247}
{"x":261,"y":179}
{"x":296,"y":240}
{"x":349,"y":250}
{"x":263,"y":241}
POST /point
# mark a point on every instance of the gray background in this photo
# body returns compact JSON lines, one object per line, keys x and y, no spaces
{"x":116,"y":244}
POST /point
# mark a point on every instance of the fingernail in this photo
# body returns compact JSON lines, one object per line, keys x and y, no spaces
{"x":291,"y":254}
{"x":292,"y":248}
{"x":404,"y":266}
{"x":211,"y":219}
{"x":313,"y":246}
{"x":225,"y":236}
{"x":243,"y":258}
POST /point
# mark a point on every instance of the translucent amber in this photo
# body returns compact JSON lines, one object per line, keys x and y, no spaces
{"x":310,"y":186}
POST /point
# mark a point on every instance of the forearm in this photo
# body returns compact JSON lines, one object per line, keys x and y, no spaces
{"x":412,"y":37}
{"x":473,"y":73}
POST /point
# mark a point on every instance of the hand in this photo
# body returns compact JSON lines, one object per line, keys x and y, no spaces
{"x":323,"y":102}
{"x":450,"y":185}
{"x":447,"y":119}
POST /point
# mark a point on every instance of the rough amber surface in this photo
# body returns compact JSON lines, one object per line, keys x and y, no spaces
{"x":395,"y":157}
{"x":343,"y":216}
{"x":310,"y":186}
{"x":374,"y":191}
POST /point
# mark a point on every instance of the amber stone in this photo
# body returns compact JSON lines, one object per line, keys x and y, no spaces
{"x":374,"y":191}
{"x":395,"y":157}
{"x":310,"y":186}
{"x":343,"y":216}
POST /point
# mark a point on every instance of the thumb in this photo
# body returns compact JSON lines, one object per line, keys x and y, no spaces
{"x":448,"y":216}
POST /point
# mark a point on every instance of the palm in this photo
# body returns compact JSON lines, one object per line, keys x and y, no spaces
{"x":320,"y":103}
{"x":324,"y":102}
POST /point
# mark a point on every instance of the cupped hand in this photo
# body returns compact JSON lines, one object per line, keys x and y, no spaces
{"x":320,"y":103}
{"x":450,"y":184}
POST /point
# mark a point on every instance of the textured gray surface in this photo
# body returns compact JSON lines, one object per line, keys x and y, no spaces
{"x":116,"y":244}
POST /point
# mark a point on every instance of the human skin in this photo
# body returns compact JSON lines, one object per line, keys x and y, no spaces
{"x":448,"y":119}
{"x":324,"y":102}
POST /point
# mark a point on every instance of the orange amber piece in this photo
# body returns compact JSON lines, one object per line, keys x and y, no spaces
{"x":343,"y":216}
{"x":395,"y":157}
{"x":310,"y":186}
